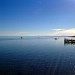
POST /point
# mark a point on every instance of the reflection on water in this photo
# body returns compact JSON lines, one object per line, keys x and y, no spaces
{"x":36,"y":56}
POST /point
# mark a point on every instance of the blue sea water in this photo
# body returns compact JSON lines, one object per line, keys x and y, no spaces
{"x":36,"y":56}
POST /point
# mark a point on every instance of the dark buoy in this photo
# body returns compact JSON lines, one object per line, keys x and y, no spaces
{"x":21,"y":37}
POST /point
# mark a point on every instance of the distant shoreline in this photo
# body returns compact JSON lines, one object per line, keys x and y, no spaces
{"x":37,"y":36}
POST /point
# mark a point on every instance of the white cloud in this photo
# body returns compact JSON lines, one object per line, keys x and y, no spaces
{"x":58,"y":29}
{"x":64,"y":32}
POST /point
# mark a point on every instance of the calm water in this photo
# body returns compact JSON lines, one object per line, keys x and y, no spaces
{"x":36,"y":56}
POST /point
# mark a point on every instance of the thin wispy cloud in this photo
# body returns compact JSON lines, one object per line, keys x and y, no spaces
{"x":64,"y":32}
{"x":58,"y":29}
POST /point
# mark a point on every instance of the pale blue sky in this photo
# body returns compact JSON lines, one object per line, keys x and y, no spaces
{"x":35,"y":16}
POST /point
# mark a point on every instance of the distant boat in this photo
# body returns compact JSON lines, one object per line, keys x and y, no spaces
{"x":21,"y":37}
{"x":56,"y":38}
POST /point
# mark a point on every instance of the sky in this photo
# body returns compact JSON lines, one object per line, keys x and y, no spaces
{"x":37,"y":17}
